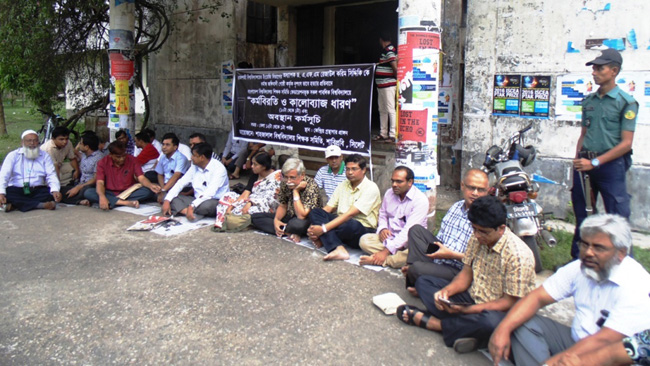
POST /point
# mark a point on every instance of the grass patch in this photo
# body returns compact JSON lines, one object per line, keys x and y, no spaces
{"x":18,"y":119}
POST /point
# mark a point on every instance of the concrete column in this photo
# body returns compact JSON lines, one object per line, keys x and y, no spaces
{"x":418,"y":79}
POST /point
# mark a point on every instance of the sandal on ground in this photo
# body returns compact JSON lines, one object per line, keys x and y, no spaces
{"x":379,"y":138}
{"x":411,"y":311}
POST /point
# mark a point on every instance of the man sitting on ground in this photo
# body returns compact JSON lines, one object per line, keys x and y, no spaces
{"x":208,"y":178}
{"x":499,"y":270}
{"x":116,"y":173}
{"x":331,"y":175}
{"x":148,"y":156}
{"x":90,"y":156}
{"x":24,"y":175}
{"x":299,"y":194}
{"x":231,"y":152}
{"x":356,"y":203}
{"x":455,"y":231}
{"x":171,"y":165}
{"x":60,"y":148}
{"x":151,"y":135}
{"x":195,"y":138}
{"x":610,"y":292}
{"x":634,"y":350}
{"x":403,"y":207}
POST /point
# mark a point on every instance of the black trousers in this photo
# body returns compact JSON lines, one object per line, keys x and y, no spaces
{"x":419,"y":264}
{"x":264,"y":221}
{"x":27,"y":202}
{"x":454,"y":326}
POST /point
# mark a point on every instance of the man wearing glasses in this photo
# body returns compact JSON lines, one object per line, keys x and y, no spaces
{"x":299,"y":194}
{"x":610,"y":291}
{"x":351,"y":212}
{"x":455,"y":231}
{"x":499,"y":269}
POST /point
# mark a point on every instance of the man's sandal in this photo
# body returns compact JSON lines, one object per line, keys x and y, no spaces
{"x":411,"y":311}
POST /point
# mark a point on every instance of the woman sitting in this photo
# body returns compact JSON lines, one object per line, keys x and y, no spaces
{"x":261,"y":194}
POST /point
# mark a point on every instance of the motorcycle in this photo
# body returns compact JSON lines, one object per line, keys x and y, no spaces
{"x":515,"y":188}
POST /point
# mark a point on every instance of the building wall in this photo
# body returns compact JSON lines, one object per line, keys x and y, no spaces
{"x":531,"y":37}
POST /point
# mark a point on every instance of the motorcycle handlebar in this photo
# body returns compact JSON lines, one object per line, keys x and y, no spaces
{"x":525,"y":129}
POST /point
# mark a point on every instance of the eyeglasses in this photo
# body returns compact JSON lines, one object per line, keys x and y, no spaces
{"x":472,"y":188}
{"x":483,"y":232}
{"x":353,"y":169}
{"x":597,"y":248}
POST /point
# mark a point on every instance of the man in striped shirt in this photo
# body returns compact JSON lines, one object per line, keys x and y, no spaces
{"x":385,"y":78}
{"x":332,"y":174}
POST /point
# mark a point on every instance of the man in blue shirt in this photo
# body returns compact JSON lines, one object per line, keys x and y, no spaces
{"x":172,"y":164}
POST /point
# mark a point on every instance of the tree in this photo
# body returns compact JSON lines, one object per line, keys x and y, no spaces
{"x":45,"y":42}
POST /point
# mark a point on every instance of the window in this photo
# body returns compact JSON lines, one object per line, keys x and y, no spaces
{"x":261,"y":23}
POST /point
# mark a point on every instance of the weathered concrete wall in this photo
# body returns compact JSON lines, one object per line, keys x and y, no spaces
{"x":531,"y":37}
{"x":185,"y":76}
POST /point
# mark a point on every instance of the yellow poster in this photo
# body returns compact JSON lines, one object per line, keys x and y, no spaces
{"x":121,"y":96}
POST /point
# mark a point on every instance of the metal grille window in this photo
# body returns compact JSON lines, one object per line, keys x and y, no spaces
{"x":261,"y":23}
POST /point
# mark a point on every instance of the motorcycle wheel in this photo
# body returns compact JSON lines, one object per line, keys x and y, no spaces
{"x":532,"y":244}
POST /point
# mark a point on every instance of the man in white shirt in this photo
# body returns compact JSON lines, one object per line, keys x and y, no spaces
{"x":208,"y":178}
{"x":610,"y":291}
{"x":28,"y":179}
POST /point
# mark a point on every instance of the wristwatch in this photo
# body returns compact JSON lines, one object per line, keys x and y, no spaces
{"x":595,"y":163}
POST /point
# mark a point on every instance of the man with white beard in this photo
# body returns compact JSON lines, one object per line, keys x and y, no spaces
{"x":28,"y":178}
{"x":610,"y":290}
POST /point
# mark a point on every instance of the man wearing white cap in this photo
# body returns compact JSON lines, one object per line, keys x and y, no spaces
{"x":331,"y":175}
{"x":28,"y":178}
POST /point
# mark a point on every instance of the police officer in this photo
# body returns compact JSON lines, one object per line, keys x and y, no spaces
{"x":604,"y":149}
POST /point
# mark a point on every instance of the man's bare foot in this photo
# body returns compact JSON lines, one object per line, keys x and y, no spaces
{"x":51,"y":205}
{"x":295,"y":238}
{"x":84,"y":203}
{"x":337,"y":254}
{"x":365,"y":259}
{"x":405,"y":270}
{"x":412,"y":291}
{"x":318,"y":243}
{"x":134,"y":204}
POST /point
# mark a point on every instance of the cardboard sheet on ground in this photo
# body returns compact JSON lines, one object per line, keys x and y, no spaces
{"x":355,"y":254}
{"x":146,"y":209}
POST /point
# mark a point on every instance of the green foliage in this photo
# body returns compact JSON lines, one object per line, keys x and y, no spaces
{"x":18,"y":120}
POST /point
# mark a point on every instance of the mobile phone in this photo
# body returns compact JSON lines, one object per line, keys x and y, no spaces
{"x":449,"y":302}
{"x":432,"y":248}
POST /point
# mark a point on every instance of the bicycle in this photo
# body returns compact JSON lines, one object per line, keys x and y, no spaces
{"x":53,"y":121}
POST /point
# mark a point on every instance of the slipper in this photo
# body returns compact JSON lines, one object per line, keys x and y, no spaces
{"x":232,"y":176}
{"x":379,"y":138}
{"x":411,"y":311}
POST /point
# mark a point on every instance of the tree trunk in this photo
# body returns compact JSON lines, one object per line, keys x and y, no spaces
{"x":3,"y":125}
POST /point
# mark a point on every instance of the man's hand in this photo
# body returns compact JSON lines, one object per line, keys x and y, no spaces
{"x":442,"y":253}
{"x":279,"y":227}
{"x":300,"y":187}
{"x":582,"y":165}
{"x":166,"y":208}
{"x":315,"y":230}
{"x":155,"y":188}
{"x":57,"y":196}
{"x":3,"y":199}
{"x":161,"y":197}
{"x":190,"y":213}
{"x":73,"y":192}
{"x":103,"y":203}
{"x":499,"y":345}
{"x":75,"y":175}
{"x":385,"y":234}
{"x":247,"y":207}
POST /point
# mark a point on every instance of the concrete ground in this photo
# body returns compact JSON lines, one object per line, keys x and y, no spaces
{"x":78,"y":289}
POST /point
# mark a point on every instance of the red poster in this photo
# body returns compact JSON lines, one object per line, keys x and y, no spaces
{"x":414,"y":40}
{"x":121,"y":67}
{"x":413,"y":125}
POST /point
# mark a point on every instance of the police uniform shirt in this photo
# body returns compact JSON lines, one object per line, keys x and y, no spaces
{"x":605,"y":118}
